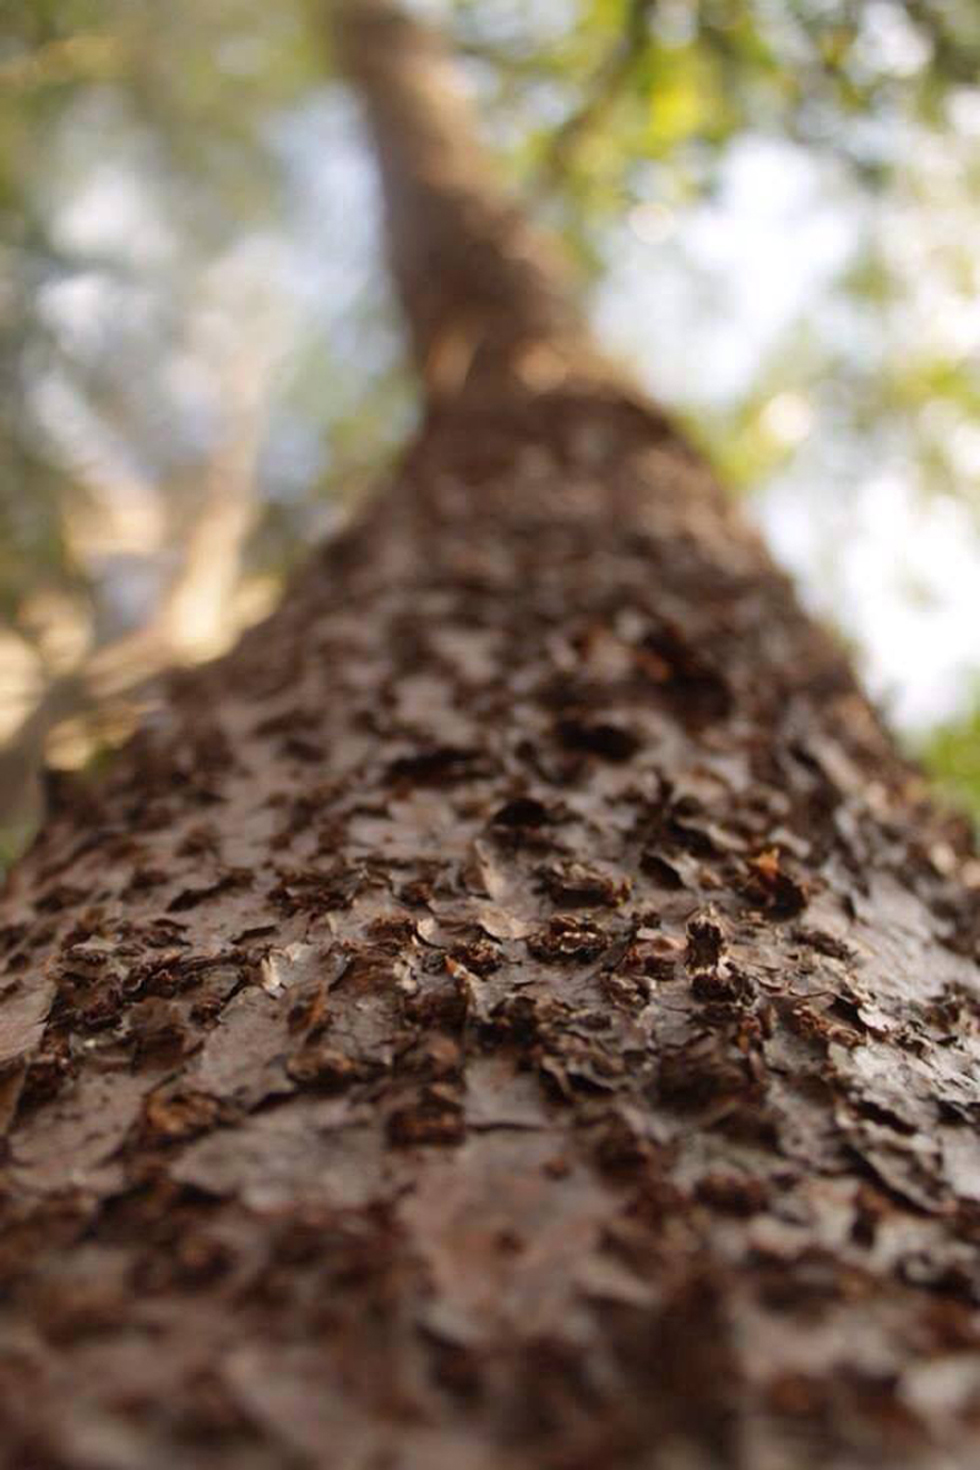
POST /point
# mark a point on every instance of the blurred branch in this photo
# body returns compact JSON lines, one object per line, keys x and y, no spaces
{"x":195,"y":612}
{"x":99,"y":703}
{"x":956,"y":57}
{"x":609,"y":80}
{"x":83,"y":58}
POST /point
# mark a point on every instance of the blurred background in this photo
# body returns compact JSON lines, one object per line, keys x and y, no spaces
{"x":774,"y":204}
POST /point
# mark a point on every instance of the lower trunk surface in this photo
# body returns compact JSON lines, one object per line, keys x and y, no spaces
{"x":514,"y":1012}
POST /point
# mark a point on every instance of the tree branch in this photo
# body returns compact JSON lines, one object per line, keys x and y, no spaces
{"x":611,"y":76}
{"x":488,"y":299}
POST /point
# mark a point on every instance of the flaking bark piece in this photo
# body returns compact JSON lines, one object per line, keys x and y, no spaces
{"x":24,"y":1007}
{"x":576,"y":885}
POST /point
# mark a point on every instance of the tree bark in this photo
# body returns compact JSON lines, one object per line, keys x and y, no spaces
{"x":517,"y":1010}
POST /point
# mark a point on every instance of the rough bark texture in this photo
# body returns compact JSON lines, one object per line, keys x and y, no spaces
{"x":514,"y":1013}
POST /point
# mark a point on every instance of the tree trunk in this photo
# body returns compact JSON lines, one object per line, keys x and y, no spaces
{"x":516,"y":1012}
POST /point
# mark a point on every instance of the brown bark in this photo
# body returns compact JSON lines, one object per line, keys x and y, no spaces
{"x":486,"y":296}
{"x":516,"y":1010}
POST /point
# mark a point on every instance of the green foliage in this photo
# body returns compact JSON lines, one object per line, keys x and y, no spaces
{"x":951,"y":755}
